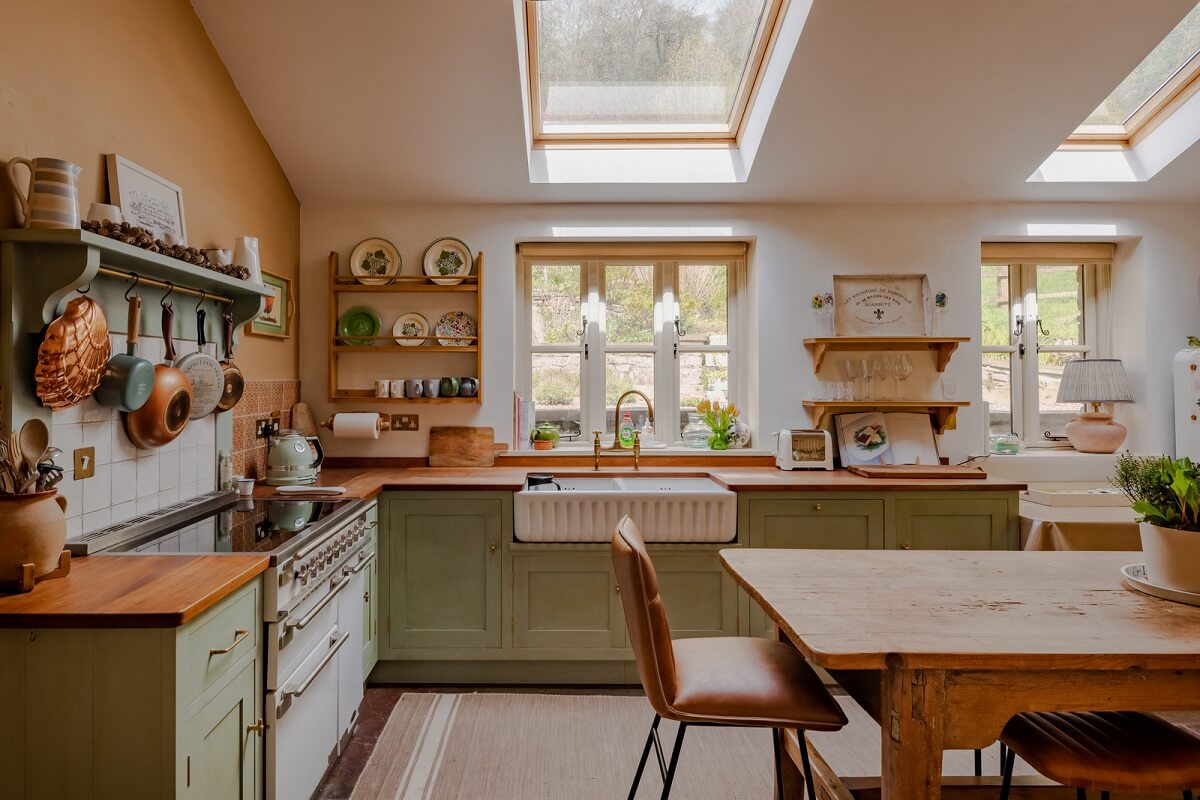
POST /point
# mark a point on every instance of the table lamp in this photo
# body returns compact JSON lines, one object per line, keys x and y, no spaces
{"x":1095,"y":381}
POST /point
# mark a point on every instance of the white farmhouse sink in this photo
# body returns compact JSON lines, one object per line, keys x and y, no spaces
{"x":664,"y":509}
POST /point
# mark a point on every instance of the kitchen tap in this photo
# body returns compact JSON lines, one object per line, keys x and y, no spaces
{"x":637,"y":439}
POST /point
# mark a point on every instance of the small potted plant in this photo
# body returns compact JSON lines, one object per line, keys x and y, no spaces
{"x":720,"y":420}
{"x":545,"y":436}
{"x":1165,"y":493}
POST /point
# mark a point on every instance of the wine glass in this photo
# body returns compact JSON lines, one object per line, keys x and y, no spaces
{"x":849,"y":379}
{"x":867,"y":365}
{"x":887,"y":374}
{"x":904,"y":370}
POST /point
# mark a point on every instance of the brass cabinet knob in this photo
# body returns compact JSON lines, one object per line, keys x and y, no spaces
{"x":256,"y":727}
{"x":817,"y":508}
{"x":492,"y":547}
{"x":906,"y":546}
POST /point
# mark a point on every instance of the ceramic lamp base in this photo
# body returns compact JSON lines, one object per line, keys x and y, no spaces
{"x":1095,"y":432}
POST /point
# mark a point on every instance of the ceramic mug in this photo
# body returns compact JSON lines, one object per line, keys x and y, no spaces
{"x":432,"y":385}
{"x":449,"y":387}
{"x":382,"y":388}
{"x":468,"y":387}
{"x":105,"y":212}
{"x":397,"y":388}
{"x":412,"y":388}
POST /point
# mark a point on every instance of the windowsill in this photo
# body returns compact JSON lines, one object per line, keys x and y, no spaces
{"x":1050,"y":465}
{"x":577,"y":450}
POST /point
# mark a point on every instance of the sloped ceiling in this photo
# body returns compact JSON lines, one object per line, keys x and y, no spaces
{"x":884,"y":101}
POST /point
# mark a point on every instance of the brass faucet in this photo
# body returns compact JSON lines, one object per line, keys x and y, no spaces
{"x":637,"y":436}
{"x":597,"y":448}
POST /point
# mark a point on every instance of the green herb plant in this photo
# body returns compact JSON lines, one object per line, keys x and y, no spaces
{"x":1164,"y":491}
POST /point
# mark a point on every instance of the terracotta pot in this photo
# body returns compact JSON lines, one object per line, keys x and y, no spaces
{"x":33,"y":529}
{"x":1172,"y":557}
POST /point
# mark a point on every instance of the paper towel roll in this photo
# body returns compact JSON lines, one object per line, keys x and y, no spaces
{"x":356,"y":425}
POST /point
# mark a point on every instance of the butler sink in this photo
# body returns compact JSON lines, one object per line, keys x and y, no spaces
{"x":587,"y":509}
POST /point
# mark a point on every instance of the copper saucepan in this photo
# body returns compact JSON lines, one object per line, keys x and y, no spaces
{"x":166,"y":413}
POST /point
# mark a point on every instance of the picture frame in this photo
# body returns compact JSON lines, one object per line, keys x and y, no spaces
{"x":147,"y":200}
{"x":881,"y":305}
{"x":276,"y":318}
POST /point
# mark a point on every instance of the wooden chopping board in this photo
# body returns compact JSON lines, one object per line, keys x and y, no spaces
{"x":928,"y":471}
{"x":461,"y":446}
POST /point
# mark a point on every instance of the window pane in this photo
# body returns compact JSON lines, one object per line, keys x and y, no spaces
{"x":622,"y":372}
{"x":607,"y":66}
{"x":556,"y":390}
{"x":997,"y":391}
{"x":704,"y":304}
{"x":1060,"y":305}
{"x":556,"y":303}
{"x":1172,"y":53}
{"x":995,"y":306}
{"x":629,"y":304}
{"x":702,"y":376}
{"x":1053,"y":416}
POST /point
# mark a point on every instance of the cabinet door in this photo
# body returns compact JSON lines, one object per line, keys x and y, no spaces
{"x":443,"y":556}
{"x":566,"y":600}
{"x":370,"y":619}
{"x":700,"y":596}
{"x":951,"y":523}
{"x":224,"y":760}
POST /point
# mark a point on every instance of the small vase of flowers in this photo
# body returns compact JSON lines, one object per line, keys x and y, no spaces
{"x":1165,"y":493}
{"x":822,"y":310}
{"x":720,"y":420}
{"x":939,"y":311}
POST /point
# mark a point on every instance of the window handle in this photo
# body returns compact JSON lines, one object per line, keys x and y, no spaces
{"x":1042,"y":329}
{"x":1020,"y":329}
{"x":582,"y":334}
{"x":679,"y":329}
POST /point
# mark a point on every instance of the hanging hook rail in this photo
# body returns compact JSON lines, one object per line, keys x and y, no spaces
{"x":136,"y":279}
{"x":170,"y":291}
{"x":144,"y":281}
{"x":200,"y":302}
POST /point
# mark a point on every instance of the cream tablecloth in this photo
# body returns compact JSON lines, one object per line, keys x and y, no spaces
{"x":1071,"y":528}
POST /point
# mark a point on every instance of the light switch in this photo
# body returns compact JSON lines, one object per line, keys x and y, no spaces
{"x":85,"y":462}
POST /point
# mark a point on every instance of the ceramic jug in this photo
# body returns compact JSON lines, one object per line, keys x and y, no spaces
{"x":52,"y":200}
{"x":35,"y":528}
{"x":245,"y":253}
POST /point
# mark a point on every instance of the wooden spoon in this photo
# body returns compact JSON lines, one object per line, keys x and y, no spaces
{"x":33,"y":441}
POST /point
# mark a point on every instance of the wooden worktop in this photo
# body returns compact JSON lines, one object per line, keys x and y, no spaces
{"x":142,"y":591}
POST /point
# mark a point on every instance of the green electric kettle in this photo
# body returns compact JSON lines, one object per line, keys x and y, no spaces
{"x":293,"y":459}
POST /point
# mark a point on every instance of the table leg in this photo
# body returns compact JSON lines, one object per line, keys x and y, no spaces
{"x":913,"y":722}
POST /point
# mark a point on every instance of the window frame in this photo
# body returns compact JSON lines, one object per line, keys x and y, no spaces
{"x":666,"y":347}
{"x":1022,"y":261}
{"x":760,"y":53}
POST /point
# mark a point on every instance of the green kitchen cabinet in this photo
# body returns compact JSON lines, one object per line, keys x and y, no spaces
{"x":810,"y":522}
{"x":566,"y":600}
{"x":221,"y":761}
{"x":700,"y":596}
{"x":440,"y":570}
{"x":952,"y":521}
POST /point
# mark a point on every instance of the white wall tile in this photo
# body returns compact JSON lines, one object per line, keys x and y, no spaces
{"x":168,"y":470}
{"x":74,"y":527}
{"x":208,"y":430}
{"x":124,"y":481}
{"x":206,"y":470}
{"x":169,"y":544}
{"x":171,"y":446}
{"x":188,"y":490}
{"x":123,"y":511}
{"x":147,"y":504}
{"x":147,"y":476}
{"x":63,"y":416}
{"x":122,"y":448}
{"x":72,"y":490}
{"x":94,"y":412}
{"x":189,"y":438}
{"x":168,"y":497}
{"x":96,"y":520}
{"x":188,"y":468}
{"x":99,"y":436}
{"x":97,"y":490}
{"x":67,"y":437}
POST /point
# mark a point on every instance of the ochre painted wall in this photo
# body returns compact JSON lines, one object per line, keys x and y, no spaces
{"x":140,"y":78}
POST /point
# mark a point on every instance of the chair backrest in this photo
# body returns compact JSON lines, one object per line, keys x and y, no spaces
{"x":645,"y":617}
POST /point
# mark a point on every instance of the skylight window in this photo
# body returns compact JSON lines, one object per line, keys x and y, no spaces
{"x":618,"y":70}
{"x":1166,"y":77}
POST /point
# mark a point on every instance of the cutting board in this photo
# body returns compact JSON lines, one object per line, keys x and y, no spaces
{"x":926,"y":471}
{"x":461,"y":446}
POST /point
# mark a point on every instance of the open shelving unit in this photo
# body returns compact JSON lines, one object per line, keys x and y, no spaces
{"x":943,"y":412}
{"x":944,"y":346}
{"x":344,"y":285}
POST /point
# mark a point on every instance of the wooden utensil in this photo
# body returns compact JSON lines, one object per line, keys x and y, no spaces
{"x":203,"y":372}
{"x":166,"y":413}
{"x":128,"y":378}
{"x":461,"y":446}
{"x":919,"y":471}
{"x":33,"y":440}
{"x":234,"y":383}
{"x":302,"y":419}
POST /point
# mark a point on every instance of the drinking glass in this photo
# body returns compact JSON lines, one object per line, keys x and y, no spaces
{"x":867,"y":365}
{"x":886,"y":370}
{"x":904,"y":370}
{"x":849,"y":379}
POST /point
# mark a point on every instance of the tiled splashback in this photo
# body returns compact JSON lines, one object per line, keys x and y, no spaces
{"x":261,"y":400}
{"x":129,"y":481}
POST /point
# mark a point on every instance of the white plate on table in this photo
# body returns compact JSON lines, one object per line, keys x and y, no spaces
{"x":1135,"y":574}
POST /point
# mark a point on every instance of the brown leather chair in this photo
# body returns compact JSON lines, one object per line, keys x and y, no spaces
{"x":737,"y":681}
{"x":1122,"y":751}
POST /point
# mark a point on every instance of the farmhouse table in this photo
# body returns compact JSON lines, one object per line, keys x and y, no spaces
{"x":942,"y":647}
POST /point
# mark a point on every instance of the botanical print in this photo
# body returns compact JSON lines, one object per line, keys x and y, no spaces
{"x":274,"y":301}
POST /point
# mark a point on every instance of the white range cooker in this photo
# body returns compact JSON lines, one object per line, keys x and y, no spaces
{"x":313,"y":601}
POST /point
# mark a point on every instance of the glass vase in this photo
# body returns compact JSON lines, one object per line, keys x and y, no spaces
{"x":718,"y":440}
{"x":695,"y":433}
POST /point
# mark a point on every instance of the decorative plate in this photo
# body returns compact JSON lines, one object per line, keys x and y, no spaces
{"x":447,"y":261}
{"x":1135,"y":575}
{"x":411,"y":325}
{"x":456,"y":323}
{"x":358,"y":324}
{"x":375,"y":262}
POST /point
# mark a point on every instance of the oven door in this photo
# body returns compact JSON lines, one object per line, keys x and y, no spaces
{"x":291,"y":639}
{"x":350,"y":619}
{"x":302,"y":719}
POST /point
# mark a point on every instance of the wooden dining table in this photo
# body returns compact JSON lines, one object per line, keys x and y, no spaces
{"x":942,"y":648}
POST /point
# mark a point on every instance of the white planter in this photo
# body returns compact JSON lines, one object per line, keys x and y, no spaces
{"x":1172,"y":557}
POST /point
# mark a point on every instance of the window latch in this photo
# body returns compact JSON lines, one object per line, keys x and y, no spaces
{"x":582,"y":334}
{"x":1042,"y":329}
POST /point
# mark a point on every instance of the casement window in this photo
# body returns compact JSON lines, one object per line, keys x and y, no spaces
{"x":599,"y":320}
{"x":1042,"y":305}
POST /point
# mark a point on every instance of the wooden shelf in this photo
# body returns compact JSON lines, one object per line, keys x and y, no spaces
{"x":407,"y":284}
{"x":399,"y":348}
{"x":943,"y":412}
{"x":368,"y":395}
{"x":944,"y":346}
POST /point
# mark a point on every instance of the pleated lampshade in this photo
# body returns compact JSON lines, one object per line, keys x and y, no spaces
{"x":1094,"y":380}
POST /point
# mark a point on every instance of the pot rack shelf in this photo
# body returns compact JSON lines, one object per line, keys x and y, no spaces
{"x":943,"y":413}
{"x":341,"y":284}
{"x":943,"y":346}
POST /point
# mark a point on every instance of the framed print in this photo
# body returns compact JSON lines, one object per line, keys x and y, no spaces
{"x":146,"y":200}
{"x":881,"y":305}
{"x":279,"y":306}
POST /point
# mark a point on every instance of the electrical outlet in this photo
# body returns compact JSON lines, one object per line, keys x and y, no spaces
{"x":406,"y":422}
{"x":85,"y":462}
{"x":266,"y":427}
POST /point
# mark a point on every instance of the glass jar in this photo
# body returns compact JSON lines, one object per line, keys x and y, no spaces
{"x":696,"y":432}
{"x":1004,"y":444}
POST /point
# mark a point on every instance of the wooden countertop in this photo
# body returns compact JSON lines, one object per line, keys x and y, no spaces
{"x":367,"y":482}
{"x":142,"y":591}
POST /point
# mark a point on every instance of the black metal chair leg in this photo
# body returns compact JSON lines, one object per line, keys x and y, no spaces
{"x":1080,"y":794}
{"x":978,"y":763}
{"x":777,"y":740}
{"x":670,"y":778}
{"x":1104,"y":796}
{"x":637,"y":777}
{"x":1187,"y":794}
{"x":809,"y":786}
{"x":1006,"y":767}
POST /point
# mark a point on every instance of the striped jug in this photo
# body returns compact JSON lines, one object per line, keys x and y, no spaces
{"x":53,"y":197}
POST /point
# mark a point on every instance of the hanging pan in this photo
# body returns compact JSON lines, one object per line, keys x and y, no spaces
{"x":202,"y":371}
{"x":166,"y":412}
{"x":235,"y":382}
{"x":128,"y":379}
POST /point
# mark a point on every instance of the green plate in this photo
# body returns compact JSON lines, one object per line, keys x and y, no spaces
{"x":360,"y":321}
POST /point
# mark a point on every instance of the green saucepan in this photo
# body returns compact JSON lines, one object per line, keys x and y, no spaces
{"x":360,"y":325}
{"x":128,"y":378}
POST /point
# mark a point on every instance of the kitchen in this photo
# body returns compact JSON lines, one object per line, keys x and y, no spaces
{"x":433,"y":577}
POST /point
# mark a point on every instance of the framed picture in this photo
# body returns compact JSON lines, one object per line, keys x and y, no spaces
{"x":145,"y":199}
{"x":881,"y":305}
{"x":276,"y":317}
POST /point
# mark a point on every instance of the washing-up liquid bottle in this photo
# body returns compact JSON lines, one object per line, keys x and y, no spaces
{"x":626,"y":433}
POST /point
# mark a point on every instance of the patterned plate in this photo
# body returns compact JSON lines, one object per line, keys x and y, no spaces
{"x":448,"y":257}
{"x":1135,"y":575}
{"x":411,"y":325}
{"x":375,"y":262}
{"x":456,"y":323}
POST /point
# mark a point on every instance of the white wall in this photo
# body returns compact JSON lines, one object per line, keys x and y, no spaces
{"x":796,"y":250}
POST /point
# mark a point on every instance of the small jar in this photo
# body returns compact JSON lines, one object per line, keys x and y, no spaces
{"x":696,"y":432}
{"x":1004,"y":444}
